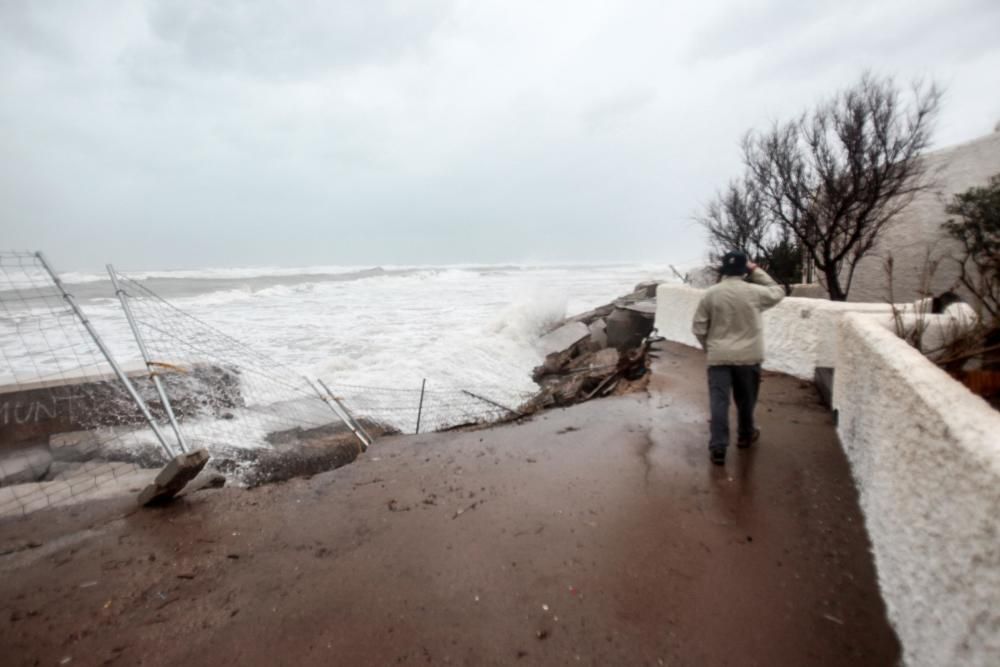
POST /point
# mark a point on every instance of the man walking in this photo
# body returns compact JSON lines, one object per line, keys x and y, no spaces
{"x":728,"y":326}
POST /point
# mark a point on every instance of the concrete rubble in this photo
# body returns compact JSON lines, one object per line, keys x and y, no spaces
{"x":174,"y":476}
{"x":596,"y":353}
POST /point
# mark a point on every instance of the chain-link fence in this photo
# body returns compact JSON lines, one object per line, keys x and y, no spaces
{"x":66,"y":421}
{"x":73,"y":428}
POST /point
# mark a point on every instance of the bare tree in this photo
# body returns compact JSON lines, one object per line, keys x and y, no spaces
{"x":977,"y":229}
{"x":738,"y":220}
{"x":838,"y":175}
{"x":735,"y":219}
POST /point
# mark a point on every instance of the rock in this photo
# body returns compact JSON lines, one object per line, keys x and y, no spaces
{"x":175,"y":475}
{"x":626,"y":328}
{"x":645,"y":307}
{"x":646,"y":289}
{"x":568,"y":391}
{"x":598,"y":334}
{"x":28,"y":463}
{"x":606,"y":358}
{"x":563,"y":338}
{"x":601,"y":364}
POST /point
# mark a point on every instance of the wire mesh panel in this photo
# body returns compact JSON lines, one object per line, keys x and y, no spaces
{"x":226,"y":395}
{"x":272,"y":396}
{"x":68,"y":426}
{"x":71,"y":427}
{"x":439,"y":409}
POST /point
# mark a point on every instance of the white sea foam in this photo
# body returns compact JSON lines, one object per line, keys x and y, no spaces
{"x":457,"y":327}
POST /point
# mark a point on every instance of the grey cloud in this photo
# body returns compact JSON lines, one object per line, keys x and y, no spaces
{"x":185,"y":133}
{"x":807,"y":39}
{"x":294,"y":40}
{"x":614,"y":108}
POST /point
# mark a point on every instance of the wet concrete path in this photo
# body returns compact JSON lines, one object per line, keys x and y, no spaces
{"x":595,"y":535}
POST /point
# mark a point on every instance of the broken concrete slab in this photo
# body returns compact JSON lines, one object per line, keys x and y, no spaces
{"x":24,"y":464}
{"x":598,"y":334}
{"x":207,"y":479}
{"x":563,"y":338}
{"x":646,"y":307}
{"x":23,"y":499}
{"x":626,"y":328}
{"x":74,"y":445}
{"x":647,"y":288}
{"x":174,"y":476}
{"x":35,"y":410}
{"x":605,"y":360}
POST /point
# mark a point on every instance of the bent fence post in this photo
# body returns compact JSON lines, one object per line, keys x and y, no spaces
{"x":361,"y":429}
{"x":107,"y":355}
{"x":342,"y":414}
{"x":153,"y":375}
{"x":366,"y":439}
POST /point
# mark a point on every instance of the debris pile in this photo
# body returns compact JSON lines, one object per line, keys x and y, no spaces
{"x":597,"y":353}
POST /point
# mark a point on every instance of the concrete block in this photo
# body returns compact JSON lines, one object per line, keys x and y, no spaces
{"x":598,"y":334}
{"x":646,"y":307}
{"x":174,"y":476}
{"x":24,"y":464}
{"x":74,"y":445}
{"x":563,"y":338}
{"x":33,"y":411}
{"x":626,"y":328}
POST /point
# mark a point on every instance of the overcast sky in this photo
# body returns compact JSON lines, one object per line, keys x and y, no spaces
{"x":186,"y":133}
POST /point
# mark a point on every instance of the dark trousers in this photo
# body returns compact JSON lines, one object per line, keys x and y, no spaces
{"x":744,"y":384}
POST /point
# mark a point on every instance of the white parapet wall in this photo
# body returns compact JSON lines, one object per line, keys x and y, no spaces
{"x":925,"y":453}
{"x":800,"y":334}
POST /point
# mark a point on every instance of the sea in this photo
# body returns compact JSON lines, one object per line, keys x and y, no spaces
{"x":387,"y":326}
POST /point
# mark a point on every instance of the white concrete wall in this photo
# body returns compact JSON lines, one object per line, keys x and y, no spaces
{"x":917,"y":229}
{"x":799,"y":333}
{"x":925,"y":453}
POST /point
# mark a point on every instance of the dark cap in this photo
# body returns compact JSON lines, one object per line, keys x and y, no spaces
{"x":734,"y":263}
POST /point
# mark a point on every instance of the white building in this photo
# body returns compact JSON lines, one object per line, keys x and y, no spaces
{"x":918,"y":230}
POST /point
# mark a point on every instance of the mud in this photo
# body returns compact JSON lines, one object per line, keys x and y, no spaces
{"x":599,"y":534}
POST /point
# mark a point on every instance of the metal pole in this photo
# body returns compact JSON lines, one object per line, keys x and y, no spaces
{"x":493,"y":403}
{"x":107,"y":355}
{"x":365,"y":438}
{"x":361,"y":429}
{"x":420,"y":408}
{"x":341,"y":414}
{"x":153,"y":374}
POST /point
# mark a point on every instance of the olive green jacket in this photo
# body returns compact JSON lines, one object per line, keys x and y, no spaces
{"x":727,"y":322}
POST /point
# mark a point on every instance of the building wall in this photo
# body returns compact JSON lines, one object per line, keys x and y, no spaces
{"x":799,"y":333}
{"x":917,"y":230}
{"x":925,"y":454}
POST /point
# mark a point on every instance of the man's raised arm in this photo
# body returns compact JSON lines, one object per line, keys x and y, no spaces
{"x":770,"y":292}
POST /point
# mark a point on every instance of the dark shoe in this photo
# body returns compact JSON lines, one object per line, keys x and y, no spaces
{"x":718,"y":455}
{"x":744,"y":443}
